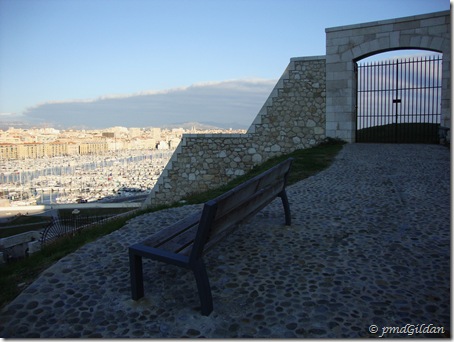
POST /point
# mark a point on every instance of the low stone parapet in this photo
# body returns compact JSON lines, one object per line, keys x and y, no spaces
{"x":20,"y":245}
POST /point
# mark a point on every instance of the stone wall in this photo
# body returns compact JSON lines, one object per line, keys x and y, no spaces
{"x":293,"y":117}
{"x":19,"y":246}
{"x":202,"y":162}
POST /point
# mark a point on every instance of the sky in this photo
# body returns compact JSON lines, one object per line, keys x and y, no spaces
{"x":140,"y":63}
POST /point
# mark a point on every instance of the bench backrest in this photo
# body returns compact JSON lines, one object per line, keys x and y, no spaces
{"x":222,"y":214}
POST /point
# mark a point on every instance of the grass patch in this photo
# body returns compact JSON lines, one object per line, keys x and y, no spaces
{"x":64,"y":214}
{"x":424,"y":133}
{"x":15,"y":276}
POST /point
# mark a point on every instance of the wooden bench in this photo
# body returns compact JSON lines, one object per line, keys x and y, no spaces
{"x":184,"y":243}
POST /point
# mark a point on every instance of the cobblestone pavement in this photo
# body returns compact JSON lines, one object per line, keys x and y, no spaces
{"x":369,"y":248}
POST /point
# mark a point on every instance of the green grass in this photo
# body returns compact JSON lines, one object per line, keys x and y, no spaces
{"x":15,"y":276}
{"x":67,"y":213}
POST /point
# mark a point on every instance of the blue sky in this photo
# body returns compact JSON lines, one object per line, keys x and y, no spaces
{"x":55,"y":52}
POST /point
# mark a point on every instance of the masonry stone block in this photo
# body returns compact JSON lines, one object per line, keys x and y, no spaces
{"x":33,"y":247}
{"x":257,"y":158}
{"x":406,"y":25}
{"x":275,"y":148}
{"x":415,"y":41}
{"x":347,"y":55}
{"x":357,"y":51}
{"x":431,"y":22}
{"x":405,"y":39}
{"x":336,"y":67}
{"x":436,"y":30}
{"x":436,"y":43}
{"x":426,"y":40}
{"x":319,"y":130}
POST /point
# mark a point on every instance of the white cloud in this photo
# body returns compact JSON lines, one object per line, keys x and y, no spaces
{"x":231,"y":101}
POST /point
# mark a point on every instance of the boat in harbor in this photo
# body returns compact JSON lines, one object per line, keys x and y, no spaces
{"x":91,"y":179}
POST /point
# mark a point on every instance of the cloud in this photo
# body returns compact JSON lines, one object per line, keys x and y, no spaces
{"x":225,"y":102}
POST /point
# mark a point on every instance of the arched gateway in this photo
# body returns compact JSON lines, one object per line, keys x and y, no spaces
{"x":347,"y":44}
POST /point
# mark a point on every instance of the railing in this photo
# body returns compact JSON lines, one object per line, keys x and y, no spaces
{"x":59,"y":228}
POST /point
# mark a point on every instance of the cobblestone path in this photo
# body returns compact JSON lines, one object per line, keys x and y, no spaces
{"x":369,"y":248}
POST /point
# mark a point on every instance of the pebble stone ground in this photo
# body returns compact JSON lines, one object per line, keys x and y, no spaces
{"x":369,"y":248}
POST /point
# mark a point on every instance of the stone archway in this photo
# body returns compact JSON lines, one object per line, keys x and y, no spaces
{"x":347,"y":44}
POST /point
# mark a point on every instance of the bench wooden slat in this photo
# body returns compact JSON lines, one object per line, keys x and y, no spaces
{"x":170,"y":232}
{"x":181,"y":241}
{"x":274,"y":175}
{"x":248,"y":188}
{"x":242,"y":204}
{"x":244,"y":211}
{"x":236,"y":195}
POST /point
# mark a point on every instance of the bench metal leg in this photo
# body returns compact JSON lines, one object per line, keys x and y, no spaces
{"x":135,"y":267}
{"x":284,"y":198}
{"x":203,"y":286}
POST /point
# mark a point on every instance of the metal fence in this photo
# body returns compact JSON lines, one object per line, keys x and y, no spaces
{"x":59,"y":228}
{"x":399,"y":100}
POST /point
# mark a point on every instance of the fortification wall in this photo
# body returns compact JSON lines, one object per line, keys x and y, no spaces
{"x":293,"y":117}
{"x":314,"y":98}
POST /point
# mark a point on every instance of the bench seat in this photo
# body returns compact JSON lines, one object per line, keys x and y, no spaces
{"x":185,"y":242}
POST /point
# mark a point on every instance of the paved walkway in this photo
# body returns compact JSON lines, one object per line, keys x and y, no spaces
{"x":369,"y":248}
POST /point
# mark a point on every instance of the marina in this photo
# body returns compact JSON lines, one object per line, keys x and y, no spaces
{"x":81,"y":179}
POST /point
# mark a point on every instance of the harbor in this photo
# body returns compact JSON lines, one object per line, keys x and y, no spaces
{"x":116,"y":176}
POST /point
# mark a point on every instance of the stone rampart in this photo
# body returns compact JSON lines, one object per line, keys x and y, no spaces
{"x":315,"y":98}
{"x":293,"y":117}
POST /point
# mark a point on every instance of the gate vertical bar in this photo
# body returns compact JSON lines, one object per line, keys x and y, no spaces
{"x":424,"y":99}
{"x":381,"y":76}
{"x":390,"y":102}
{"x":413,"y":97}
{"x":419,"y":87}
{"x":369,"y":101}
{"x":358,"y":100}
{"x":396,"y":108}
{"x":406,"y":106}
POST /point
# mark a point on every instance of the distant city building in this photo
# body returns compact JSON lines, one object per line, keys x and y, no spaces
{"x":162,"y":145}
{"x":48,"y":142}
{"x":93,"y":148}
{"x":155,"y":133}
{"x":135,"y":132}
{"x":173,"y":143}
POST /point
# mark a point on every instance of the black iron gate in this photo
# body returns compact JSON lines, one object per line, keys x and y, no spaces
{"x":399,"y":100}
